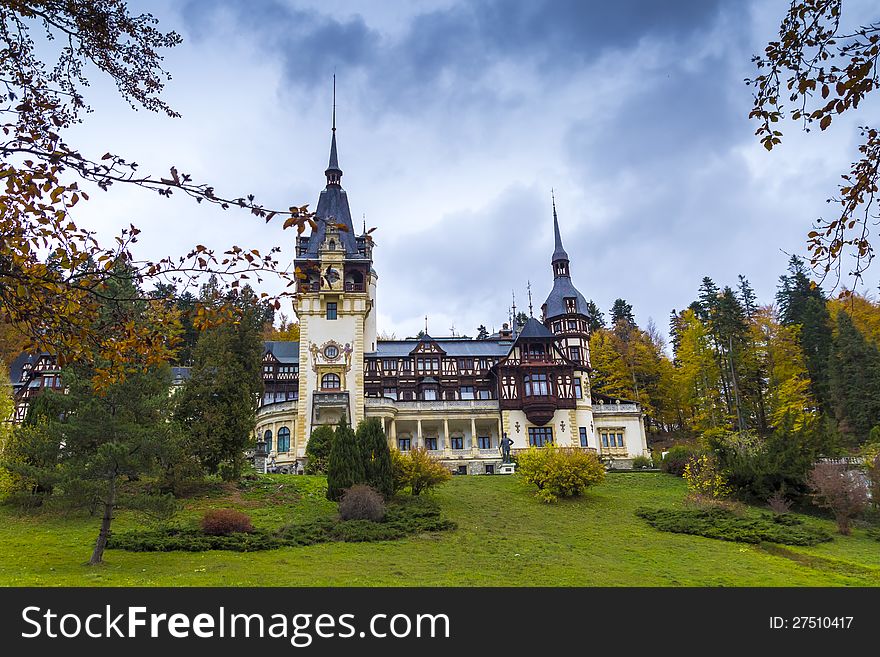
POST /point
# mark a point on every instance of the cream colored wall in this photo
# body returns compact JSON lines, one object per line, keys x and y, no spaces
{"x":565,"y":425}
{"x":633,"y":431}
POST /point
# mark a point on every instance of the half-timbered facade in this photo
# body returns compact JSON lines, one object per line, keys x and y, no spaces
{"x":455,"y":397}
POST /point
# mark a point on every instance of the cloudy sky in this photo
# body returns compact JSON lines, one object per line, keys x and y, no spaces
{"x":455,"y":119}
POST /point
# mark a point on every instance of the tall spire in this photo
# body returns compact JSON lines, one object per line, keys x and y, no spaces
{"x":558,"y":252}
{"x":333,"y":172}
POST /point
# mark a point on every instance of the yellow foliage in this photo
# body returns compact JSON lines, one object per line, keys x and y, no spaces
{"x":559,"y":471}
{"x":704,"y":479}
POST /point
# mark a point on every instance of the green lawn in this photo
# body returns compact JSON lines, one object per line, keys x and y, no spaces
{"x":505,"y":537}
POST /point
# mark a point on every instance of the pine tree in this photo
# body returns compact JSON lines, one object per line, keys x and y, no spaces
{"x":854,"y":381}
{"x":376,"y":456}
{"x":100,"y":438}
{"x":318,"y":449}
{"x":747,"y":296}
{"x":595,"y":317}
{"x":217,"y":406}
{"x":482,"y":333}
{"x":345,"y":467}
{"x":802,"y":302}
{"x":622,"y":315}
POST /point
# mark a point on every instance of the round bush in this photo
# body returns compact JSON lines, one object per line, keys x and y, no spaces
{"x":362,"y":502}
{"x":222,"y":522}
{"x":677,"y":457}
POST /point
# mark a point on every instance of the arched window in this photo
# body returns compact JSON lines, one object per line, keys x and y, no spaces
{"x":284,"y":439}
{"x":268,"y":438}
{"x":330,"y":382}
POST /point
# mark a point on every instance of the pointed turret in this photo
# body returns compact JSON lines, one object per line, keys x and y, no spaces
{"x":333,"y":206}
{"x":559,"y":253}
{"x":333,"y":172}
{"x":564,"y":297}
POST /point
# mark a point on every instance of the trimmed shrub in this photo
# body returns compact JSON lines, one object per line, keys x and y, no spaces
{"x":677,"y":457}
{"x":400,"y":471}
{"x":412,"y":515}
{"x":362,"y":502}
{"x":722,"y":524}
{"x":641,"y":462}
{"x":425,"y":472}
{"x":223,"y":522}
{"x":318,"y":450}
{"x":560,"y":471}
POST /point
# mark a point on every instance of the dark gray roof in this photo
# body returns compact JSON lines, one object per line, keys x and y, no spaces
{"x":452,"y":347}
{"x":558,"y":252}
{"x":534,"y":329}
{"x":17,"y":366}
{"x":333,"y":206}
{"x":562,"y":289}
{"x":284,"y":350}
{"x":180,"y":374}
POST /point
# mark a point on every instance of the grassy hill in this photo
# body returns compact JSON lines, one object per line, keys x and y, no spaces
{"x":505,"y":537}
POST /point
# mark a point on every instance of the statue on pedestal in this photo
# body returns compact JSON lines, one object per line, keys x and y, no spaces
{"x":505,"y":448}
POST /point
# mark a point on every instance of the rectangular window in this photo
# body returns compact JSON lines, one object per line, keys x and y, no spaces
{"x":484,"y":394}
{"x":620,"y":440}
{"x":574,"y":353}
{"x":408,"y":395}
{"x":583,"y":433}
{"x":467,"y":392}
{"x":604,"y":439}
{"x":540,"y":436}
{"x":536,"y":385}
{"x":572,"y":325}
{"x":431,"y":442}
{"x":457,"y":442}
{"x":391,"y":393}
{"x":578,"y":392}
{"x":429,"y":394}
{"x":389,"y":365}
{"x":407,"y":365}
{"x":267,"y":397}
{"x":403,"y":444}
{"x":331,"y":310}
{"x":485,"y":442}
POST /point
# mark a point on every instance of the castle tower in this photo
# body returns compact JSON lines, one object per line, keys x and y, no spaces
{"x":335,"y":306}
{"x":565,"y":311}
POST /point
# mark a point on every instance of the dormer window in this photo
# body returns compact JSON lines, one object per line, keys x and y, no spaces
{"x":570,"y":305}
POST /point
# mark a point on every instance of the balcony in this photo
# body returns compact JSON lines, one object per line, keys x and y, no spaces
{"x":330,"y":398}
{"x":438,"y":404}
{"x":599,"y":409}
{"x":354,"y":287}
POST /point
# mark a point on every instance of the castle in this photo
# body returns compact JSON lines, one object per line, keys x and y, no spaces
{"x":456,"y":397}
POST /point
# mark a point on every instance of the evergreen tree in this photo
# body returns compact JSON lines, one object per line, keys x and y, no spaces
{"x":482,"y":333}
{"x":595,"y":317}
{"x":345,"y":467}
{"x":622,"y":315}
{"x":747,"y":296}
{"x":318,"y":449}
{"x":376,"y":456}
{"x":521,"y":318}
{"x":217,"y":405}
{"x":91,"y":440}
{"x":854,"y":381}
{"x":802,"y":302}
